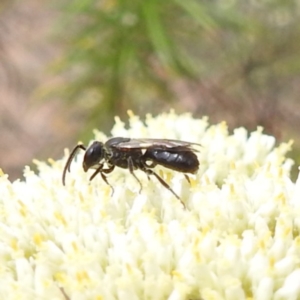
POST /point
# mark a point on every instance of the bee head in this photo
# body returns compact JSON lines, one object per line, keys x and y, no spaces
{"x":93,"y":156}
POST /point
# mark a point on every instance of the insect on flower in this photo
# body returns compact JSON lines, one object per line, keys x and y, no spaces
{"x":134,"y":154}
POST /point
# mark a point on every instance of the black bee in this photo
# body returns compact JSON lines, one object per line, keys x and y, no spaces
{"x":133,"y":154}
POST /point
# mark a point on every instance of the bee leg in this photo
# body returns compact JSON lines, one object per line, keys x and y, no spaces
{"x":152,"y":164}
{"x":109,"y":170}
{"x":98,"y":170}
{"x":187,"y":178}
{"x":131,"y":168}
{"x":150,"y":172}
{"x":101,"y":171}
{"x":105,"y":179}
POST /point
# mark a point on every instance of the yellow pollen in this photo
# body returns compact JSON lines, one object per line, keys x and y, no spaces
{"x":85,"y":275}
{"x":297,"y":241}
{"x":81,"y":198}
{"x":23,"y":212}
{"x":23,"y":209}
{"x":262,"y":244}
{"x":60,"y":277}
{"x":232,"y":189}
{"x":176,"y":274}
{"x":82,"y":276}
{"x":14,"y":244}
{"x":224,"y":126}
{"x":287,"y":231}
{"x":206,"y":230}
{"x":107,"y":192}
{"x":79,"y":277}
{"x":37,"y":239}
{"x":161,"y":230}
{"x":51,"y":161}
{"x":197,"y":255}
{"x":21,"y":203}
{"x":130,"y":113}
{"x":128,"y":268}
{"x":232,"y":165}
{"x":272,"y":262}
{"x":103,"y":213}
{"x":256,"y":165}
{"x":281,"y":198}
{"x":75,"y":247}
{"x":196,"y":242}
{"x":193,"y":182}
{"x":60,"y":218}
{"x":206,"y":180}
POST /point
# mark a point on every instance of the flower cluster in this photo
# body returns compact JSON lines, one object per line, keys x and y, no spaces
{"x":236,"y":238}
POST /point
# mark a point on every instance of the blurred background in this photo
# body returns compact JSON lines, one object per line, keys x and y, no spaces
{"x":70,"y":66}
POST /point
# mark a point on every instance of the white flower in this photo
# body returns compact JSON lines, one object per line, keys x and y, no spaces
{"x":237,"y":237}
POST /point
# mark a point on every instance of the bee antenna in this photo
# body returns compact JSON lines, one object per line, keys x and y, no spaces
{"x":69,"y":161}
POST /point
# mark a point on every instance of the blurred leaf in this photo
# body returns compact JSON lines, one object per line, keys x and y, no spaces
{"x":212,"y":57}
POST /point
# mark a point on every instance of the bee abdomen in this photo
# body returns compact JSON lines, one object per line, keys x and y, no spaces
{"x":182,"y":161}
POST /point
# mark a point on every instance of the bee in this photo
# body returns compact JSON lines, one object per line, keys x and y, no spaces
{"x":137,"y":154}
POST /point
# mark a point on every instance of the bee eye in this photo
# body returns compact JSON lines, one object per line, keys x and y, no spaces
{"x":93,"y":155}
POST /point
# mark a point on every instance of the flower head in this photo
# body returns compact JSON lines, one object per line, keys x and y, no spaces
{"x":236,"y":238}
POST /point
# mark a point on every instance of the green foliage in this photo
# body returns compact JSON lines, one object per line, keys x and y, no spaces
{"x":131,"y":54}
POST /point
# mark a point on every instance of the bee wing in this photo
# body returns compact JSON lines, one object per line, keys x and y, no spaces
{"x":157,"y":143}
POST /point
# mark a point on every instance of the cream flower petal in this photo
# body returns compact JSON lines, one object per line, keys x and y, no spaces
{"x":237,"y":238}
